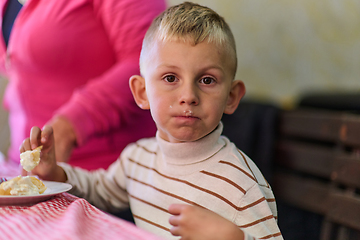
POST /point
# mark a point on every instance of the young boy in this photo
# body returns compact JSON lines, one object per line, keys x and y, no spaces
{"x":187,"y":181}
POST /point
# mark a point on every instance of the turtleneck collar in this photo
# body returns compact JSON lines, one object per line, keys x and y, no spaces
{"x":187,"y":153}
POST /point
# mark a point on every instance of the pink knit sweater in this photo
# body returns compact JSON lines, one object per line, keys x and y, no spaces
{"x":74,"y":58}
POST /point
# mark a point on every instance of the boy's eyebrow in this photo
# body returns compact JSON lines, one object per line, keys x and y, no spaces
{"x":167,"y":65}
{"x":214,"y":67}
{"x":203,"y":69}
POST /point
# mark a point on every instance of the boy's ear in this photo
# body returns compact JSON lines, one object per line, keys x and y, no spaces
{"x":237,"y":91}
{"x":138,"y":90}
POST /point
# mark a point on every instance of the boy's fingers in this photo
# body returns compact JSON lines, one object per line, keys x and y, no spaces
{"x":174,"y":220}
{"x":25,"y":145}
{"x":176,"y":209}
{"x":175,"y":231}
{"x":35,"y":134}
{"x":46,"y":134}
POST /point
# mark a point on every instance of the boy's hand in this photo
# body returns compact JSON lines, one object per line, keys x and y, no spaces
{"x":65,"y":138}
{"x":192,"y":222}
{"x":47,"y":168}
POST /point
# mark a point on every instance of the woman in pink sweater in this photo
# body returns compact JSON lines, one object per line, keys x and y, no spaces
{"x":68,"y":65}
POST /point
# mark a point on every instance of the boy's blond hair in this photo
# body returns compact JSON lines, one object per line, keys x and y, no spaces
{"x":191,"y":23}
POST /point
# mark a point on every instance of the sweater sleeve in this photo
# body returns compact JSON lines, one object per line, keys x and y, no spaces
{"x":256,"y":218}
{"x":106,"y":189}
{"x":106,"y":102}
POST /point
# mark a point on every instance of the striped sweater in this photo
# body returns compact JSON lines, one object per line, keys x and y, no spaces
{"x":152,"y":174}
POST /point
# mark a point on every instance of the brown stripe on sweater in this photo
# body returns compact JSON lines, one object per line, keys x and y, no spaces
{"x":267,"y":184}
{"x":224,"y":179}
{"x":257,"y":221}
{"x":271,"y":235}
{"x":152,"y":223}
{"x":247,"y":164}
{"x":141,"y":165}
{"x":122,"y":166}
{"x":253,"y":204}
{"x":165,"y":192}
{"x":271,"y":200}
{"x":242,"y":170}
{"x":197,"y":187}
{"x":114,"y":178}
{"x":187,"y":183}
{"x":148,"y":203}
{"x":202,"y":189}
{"x":145,"y":149}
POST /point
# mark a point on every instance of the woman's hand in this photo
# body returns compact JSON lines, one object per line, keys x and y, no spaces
{"x":47,"y":168}
{"x":195,"y":223}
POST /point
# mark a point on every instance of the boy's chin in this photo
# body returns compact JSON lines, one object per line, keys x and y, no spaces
{"x":187,"y":138}
{"x":185,"y":134}
{"x":176,"y":138}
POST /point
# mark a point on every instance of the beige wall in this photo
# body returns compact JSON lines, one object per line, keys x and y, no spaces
{"x":289,"y":47}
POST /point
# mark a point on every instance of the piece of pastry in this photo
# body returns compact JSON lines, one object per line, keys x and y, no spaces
{"x":30,"y":159}
{"x":20,"y":185}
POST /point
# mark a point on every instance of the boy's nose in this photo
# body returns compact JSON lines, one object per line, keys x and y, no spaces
{"x":189,"y":95}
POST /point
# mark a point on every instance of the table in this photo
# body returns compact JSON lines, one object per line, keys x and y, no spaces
{"x":65,"y":216}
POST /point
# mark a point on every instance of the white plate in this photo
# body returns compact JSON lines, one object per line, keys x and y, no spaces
{"x":53,"y":188}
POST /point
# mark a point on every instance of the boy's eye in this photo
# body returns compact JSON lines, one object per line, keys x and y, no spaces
{"x":207,"y":80}
{"x":170,"y":78}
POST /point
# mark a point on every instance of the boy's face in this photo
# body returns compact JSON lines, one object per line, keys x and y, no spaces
{"x":188,"y":88}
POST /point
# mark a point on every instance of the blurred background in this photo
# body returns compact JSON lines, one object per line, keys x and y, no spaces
{"x":287,"y":48}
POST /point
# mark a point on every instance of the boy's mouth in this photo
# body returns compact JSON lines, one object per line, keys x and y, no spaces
{"x":188,"y":113}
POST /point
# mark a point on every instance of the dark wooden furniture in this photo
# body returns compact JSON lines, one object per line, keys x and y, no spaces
{"x":317,"y":168}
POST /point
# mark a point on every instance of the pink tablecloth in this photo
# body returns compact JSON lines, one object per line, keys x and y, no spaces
{"x":9,"y":169}
{"x":65,"y":217}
